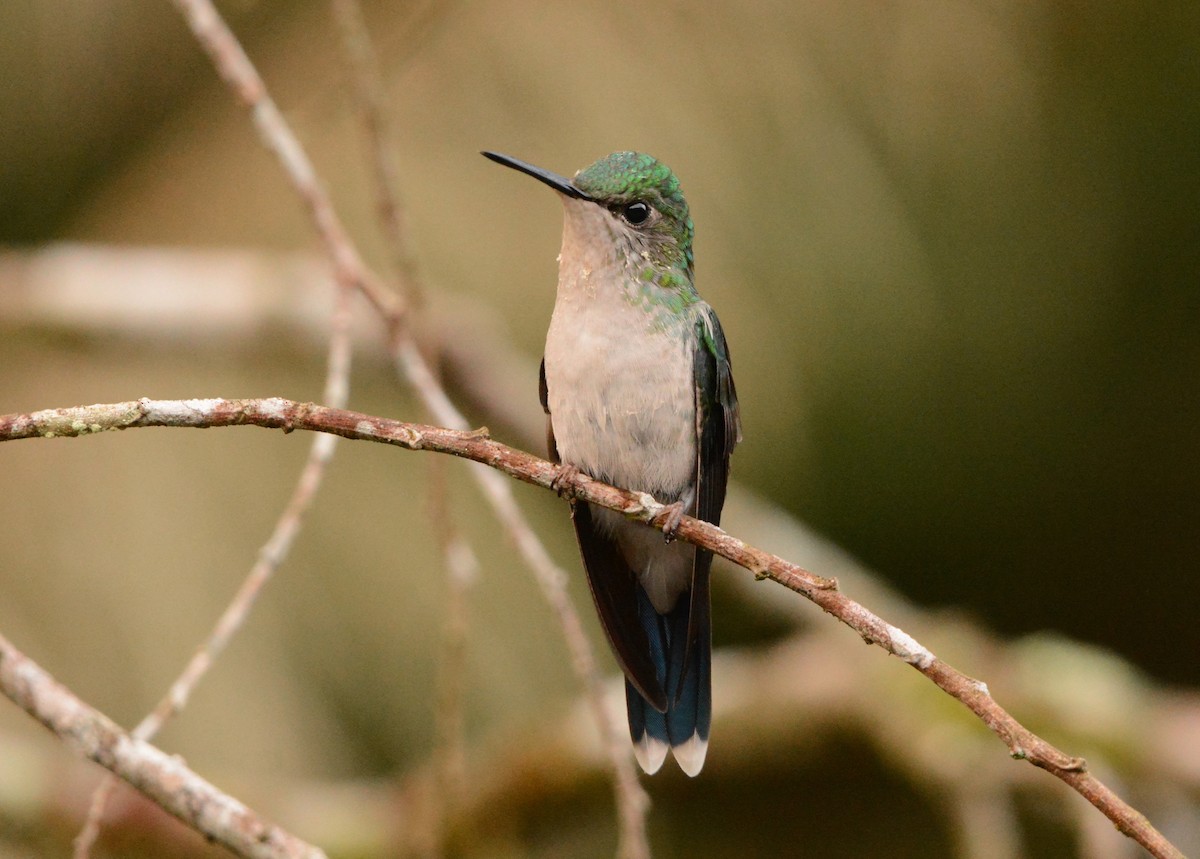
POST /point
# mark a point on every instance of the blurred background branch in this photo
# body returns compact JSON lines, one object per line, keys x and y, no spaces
{"x":165,"y":779}
{"x":235,"y":68}
{"x":477,"y":447}
{"x":270,"y":557}
{"x":953,"y":249}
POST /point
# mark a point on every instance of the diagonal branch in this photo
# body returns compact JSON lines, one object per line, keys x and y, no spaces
{"x":236,"y":69}
{"x":163,"y":778}
{"x":631,"y":799}
{"x":277,"y":413}
{"x":369,"y":91}
{"x":461,"y":564}
{"x":270,"y":557}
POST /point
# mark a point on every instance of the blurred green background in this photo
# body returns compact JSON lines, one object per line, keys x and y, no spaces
{"x":955,"y":248}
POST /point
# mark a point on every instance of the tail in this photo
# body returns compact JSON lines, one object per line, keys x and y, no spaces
{"x":684,"y":670}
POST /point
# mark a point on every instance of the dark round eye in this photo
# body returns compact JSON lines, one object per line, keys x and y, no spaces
{"x":636,"y":213}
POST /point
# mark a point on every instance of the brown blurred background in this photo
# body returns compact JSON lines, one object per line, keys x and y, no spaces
{"x":955,"y":248}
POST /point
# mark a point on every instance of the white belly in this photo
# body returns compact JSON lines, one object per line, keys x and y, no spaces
{"x":622,"y":406}
{"x":622,"y":403}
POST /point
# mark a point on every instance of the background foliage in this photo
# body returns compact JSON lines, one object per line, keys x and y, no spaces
{"x":953,"y":245}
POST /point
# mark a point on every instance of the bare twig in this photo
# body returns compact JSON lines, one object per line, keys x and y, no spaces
{"x":235,"y":67}
{"x":458,"y":558}
{"x":276,"y":413}
{"x":163,"y":778}
{"x":368,"y":83}
{"x":631,"y":799}
{"x":270,"y":557}
{"x":462,"y":570}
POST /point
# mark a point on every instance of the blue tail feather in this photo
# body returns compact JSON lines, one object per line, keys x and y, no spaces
{"x":685,"y":725}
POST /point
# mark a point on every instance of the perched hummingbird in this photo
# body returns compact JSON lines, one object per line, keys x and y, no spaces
{"x":637,"y":389}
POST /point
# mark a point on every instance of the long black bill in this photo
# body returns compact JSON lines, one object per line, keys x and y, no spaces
{"x":558,"y":183}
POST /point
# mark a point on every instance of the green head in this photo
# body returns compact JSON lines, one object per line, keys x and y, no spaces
{"x":644,"y":199}
{"x":644,"y":193}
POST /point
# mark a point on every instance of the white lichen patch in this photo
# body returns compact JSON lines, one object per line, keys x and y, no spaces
{"x":176,"y":411}
{"x":275,"y":407}
{"x":908,"y":648}
{"x":203,"y":405}
{"x":647,"y":503}
{"x":365,"y":428}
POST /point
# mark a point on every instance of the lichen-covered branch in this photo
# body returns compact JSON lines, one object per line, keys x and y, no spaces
{"x":235,"y":68}
{"x":162,"y":777}
{"x":270,"y":557}
{"x":369,"y":92}
{"x":276,"y":413}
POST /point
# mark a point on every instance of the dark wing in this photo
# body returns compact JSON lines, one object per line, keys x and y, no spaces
{"x":613,"y":585}
{"x":615,"y":591}
{"x":544,"y":396}
{"x":718,"y":429}
{"x":718,"y":418}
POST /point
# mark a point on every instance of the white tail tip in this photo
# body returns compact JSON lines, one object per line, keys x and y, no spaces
{"x":690,"y":755}
{"x":650,"y":754}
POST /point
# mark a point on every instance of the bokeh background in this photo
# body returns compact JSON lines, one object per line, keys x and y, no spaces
{"x":956,"y":251}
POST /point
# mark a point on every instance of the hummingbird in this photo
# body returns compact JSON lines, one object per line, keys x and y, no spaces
{"x":638,"y":392}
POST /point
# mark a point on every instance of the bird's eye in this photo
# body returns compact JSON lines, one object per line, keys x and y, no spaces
{"x":636,"y":213}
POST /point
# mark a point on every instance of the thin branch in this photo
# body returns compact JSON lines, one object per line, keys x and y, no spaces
{"x":277,"y":413}
{"x":459,"y":561}
{"x":163,"y":778}
{"x":369,"y":90}
{"x":236,"y":69}
{"x":270,"y":557}
{"x":632,"y":801}
{"x":462,"y":570}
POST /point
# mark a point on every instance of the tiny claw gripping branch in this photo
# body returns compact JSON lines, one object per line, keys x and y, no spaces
{"x":671,"y":523}
{"x":971,"y":693}
{"x":563,"y":482}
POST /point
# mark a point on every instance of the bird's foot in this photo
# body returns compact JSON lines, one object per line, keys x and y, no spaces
{"x":675,"y":513}
{"x":563,"y":480}
{"x":674,"y":517}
